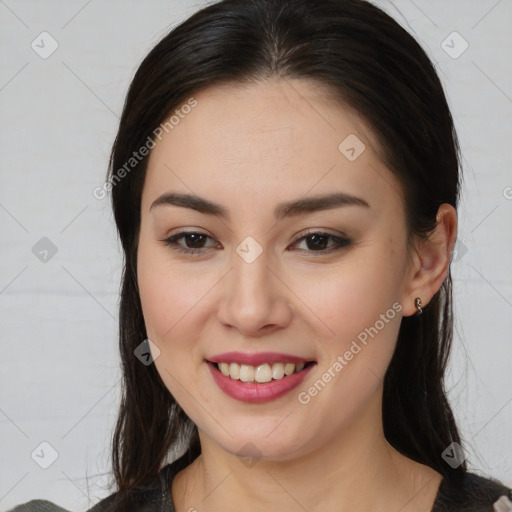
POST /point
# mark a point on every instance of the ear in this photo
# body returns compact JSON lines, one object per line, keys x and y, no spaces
{"x":430,"y":261}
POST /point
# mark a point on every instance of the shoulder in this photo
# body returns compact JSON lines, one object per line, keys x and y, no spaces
{"x":153,"y":496}
{"x":473,"y":493}
{"x":38,"y":506}
{"x":149,"y":497}
{"x":145,"y":498}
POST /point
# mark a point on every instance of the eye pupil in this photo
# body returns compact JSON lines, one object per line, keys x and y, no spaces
{"x":317,"y":241}
{"x":194,"y":235}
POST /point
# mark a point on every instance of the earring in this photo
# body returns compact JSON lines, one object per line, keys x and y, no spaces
{"x":417,"y":303}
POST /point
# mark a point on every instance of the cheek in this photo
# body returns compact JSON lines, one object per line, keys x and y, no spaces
{"x":358,"y":310}
{"x":174,"y":301}
{"x":346,"y":299}
{"x":166,"y":293}
{"x":169,"y":300}
{"x":363,"y":319}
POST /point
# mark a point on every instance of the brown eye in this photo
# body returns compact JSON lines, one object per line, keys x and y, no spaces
{"x":194,"y":242}
{"x":319,"y":242}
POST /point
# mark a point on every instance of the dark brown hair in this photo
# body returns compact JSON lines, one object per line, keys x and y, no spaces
{"x":372,"y":64}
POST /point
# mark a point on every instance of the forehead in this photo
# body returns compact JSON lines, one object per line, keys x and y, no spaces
{"x":267,"y":140}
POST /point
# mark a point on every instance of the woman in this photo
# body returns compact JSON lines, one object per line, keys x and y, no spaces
{"x":285,"y":184}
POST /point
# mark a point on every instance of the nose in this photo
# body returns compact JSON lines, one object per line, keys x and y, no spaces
{"x":255,"y":299}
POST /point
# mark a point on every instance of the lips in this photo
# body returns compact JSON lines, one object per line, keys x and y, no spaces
{"x":254,"y":392}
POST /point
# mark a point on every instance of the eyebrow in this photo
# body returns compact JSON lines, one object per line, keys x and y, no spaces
{"x":282,"y":210}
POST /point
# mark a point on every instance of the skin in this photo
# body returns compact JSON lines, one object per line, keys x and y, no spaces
{"x":249,"y":148}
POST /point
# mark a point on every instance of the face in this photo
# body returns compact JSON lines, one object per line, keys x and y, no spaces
{"x":320,"y":282}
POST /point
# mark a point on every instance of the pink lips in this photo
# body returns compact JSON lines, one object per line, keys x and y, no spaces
{"x":253,"y":392}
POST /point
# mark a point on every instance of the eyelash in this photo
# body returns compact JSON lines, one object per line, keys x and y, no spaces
{"x":171,"y":241}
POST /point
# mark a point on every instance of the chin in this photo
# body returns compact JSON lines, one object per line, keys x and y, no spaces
{"x":257,"y":444}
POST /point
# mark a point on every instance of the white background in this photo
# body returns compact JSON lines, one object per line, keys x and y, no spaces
{"x":58,"y":332}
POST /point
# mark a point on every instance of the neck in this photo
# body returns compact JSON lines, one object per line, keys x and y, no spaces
{"x":356,"y":470}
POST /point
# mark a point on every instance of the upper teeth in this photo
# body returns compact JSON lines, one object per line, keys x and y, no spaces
{"x":262,"y":373}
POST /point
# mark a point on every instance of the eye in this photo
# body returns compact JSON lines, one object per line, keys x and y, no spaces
{"x":196,"y":239}
{"x":316,"y":241}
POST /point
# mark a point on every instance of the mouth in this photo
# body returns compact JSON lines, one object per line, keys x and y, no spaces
{"x":262,"y":383}
{"x":263,"y":373}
